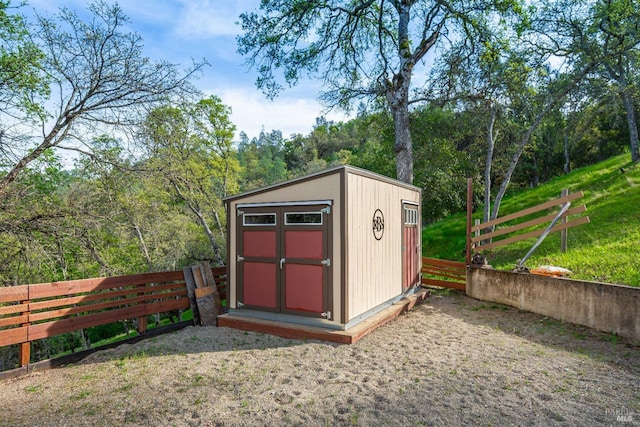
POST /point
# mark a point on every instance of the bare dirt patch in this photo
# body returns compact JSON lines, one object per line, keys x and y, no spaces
{"x":450,"y":361}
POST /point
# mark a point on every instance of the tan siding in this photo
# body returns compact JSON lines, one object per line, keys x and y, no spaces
{"x":322,"y":188}
{"x":374,"y":266}
{"x":232,"y":251}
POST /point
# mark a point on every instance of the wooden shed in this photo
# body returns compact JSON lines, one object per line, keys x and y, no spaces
{"x":329,"y":249}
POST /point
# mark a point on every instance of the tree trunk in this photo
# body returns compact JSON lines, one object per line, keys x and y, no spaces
{"x":627,"y":100}
{"x":219,"y":223}
{"x":619,"y":74}
{"x":143,"y":247}
{"x":193,"y":206}
{"x":535,"y":175}
{"x":514,"y":162}
{"x":567,"y":163}
{"x":226,"y":174}
{"x":397,"y":92}
{"x":403,"y":146}
{"x":527,"y":136}
{"x":487,"y":165}
{"x":84,"y":339}
{"x":209,"y":233}
{"x":62,"y":261}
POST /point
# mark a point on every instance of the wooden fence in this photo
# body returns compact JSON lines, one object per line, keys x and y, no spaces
{"x":32,"y":312}
{"x":444,"y":273}
{"x":483,"y":236}
{"x":453,"y":274}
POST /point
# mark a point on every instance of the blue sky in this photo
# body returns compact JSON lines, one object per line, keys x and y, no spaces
{"x":179,"y":30}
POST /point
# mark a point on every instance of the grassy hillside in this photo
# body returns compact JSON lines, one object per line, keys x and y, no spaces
{"x":607,"y":249}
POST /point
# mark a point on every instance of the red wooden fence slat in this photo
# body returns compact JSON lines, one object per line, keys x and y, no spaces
{"x":168,"y":305}
{"x":448,"y":276}
{"x":14,"y":320}
{"x":444,"y":269}
{"x":437,"y":268}
{"x":55,"y":289}
{"x":83,"y":299}
{"x":53,"y":314}
{"x":56,"y":327}
{"x":15,"y":308}
{"x":444,"y":284}
{"x":436,"y":261}
{"x":13,"y":336}
{"x":14,"y":293}
{"x":61,"y":302}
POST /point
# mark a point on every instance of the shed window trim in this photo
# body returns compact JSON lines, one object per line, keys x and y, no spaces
{"x":410,"y":216}
{"x":306,"y":216}
{"x":259,"y":224}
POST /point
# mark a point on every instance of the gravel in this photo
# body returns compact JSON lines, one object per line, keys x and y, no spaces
{"x":450,"y":361}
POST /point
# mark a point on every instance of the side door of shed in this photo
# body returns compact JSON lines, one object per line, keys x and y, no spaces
{"x":411,"y":256}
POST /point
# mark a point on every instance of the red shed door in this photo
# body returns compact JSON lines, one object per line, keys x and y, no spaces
{"x":411,"y":261}
{"x":284,"y":265}
{"x":258,"y":259}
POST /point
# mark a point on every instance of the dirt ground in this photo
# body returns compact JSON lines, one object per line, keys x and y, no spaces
{"x":450,"y":361}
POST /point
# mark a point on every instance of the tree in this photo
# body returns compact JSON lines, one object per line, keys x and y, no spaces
{"x":494,"y":81}
{"x":513,"y":80}
{"x":362,"y":49}
{"x":443,"y":164}
{"x":376,"y":138}
{"x":616,"y":26}
{"x":20,"y":62}
{"x":190,"y":149}
{"x":124,"y":218}
{"x":263,"y":160}
{"x":98,"y":76}
{"x":605,"y":33}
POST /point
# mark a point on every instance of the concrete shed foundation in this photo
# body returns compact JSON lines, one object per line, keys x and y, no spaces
{"x":350,"y":336}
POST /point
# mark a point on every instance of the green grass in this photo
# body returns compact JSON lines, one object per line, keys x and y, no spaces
{"x":604,"y":250}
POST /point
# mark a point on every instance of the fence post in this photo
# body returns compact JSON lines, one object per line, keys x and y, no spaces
{"x":24,"y":351}
{"x":142,"y":320}
{"x":469,"y":214}
{"x":563,"y":233}
{"x":142,"y":325}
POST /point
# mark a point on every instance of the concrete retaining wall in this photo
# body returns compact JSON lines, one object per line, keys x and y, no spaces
{"x":606,"y":307}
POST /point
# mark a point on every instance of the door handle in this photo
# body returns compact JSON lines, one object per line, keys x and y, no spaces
{"x":282,"y":261}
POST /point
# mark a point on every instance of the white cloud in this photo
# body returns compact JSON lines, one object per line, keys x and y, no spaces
{"x":209,"y":18}
{"x":252,"y":112}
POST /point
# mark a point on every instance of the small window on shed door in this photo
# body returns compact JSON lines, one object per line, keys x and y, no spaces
{"x":261,"y":219}
{"x":303,"y":218}
{"x":410,"y":216}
